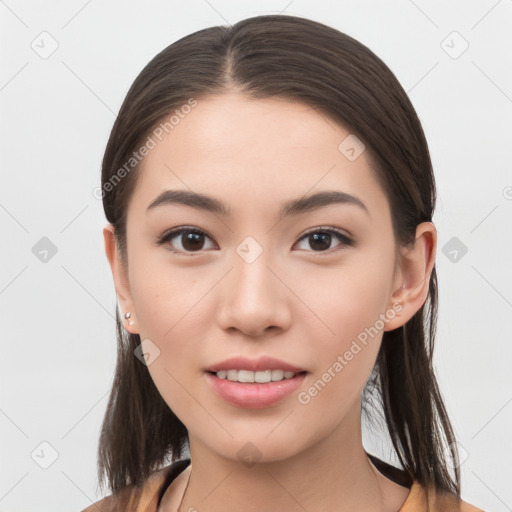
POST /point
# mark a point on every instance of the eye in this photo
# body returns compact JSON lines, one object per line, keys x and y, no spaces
{"x":188,"y":240}
{"x":320,"y":239}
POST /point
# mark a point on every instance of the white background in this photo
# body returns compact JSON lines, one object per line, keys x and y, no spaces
{"x":58,"y":332}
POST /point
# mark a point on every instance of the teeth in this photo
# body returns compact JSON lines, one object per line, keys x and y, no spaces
{"x":258,"y":377}
{"x":232,"y":375}
{"x":277,"y":374}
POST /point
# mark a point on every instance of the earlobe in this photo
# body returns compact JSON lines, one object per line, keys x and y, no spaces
{"x":413,"y":279}
{"x":121,"y":281}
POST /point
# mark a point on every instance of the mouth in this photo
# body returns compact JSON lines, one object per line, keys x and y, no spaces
{"x":254,"y":383}
{"x":247,"y":389}
{"x":258,"y":377}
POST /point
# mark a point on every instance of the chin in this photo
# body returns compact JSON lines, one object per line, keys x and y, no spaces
{"x":252,"y":447}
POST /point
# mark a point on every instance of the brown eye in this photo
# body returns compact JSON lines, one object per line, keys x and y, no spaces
{"x":321,"y":240}
{"x":192,"y":241}
{"x":185,"y":240}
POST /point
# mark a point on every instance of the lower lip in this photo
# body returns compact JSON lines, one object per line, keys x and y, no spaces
{"x":250,"y":395}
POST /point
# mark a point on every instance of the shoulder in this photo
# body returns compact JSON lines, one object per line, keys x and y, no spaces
{"x":421,"y":501}
{"x":140,"y":499}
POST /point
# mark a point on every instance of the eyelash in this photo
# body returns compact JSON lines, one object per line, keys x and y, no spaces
{"x":169,"y":235}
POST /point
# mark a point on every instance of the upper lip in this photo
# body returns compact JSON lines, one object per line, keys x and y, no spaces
{"x":255,"y":365}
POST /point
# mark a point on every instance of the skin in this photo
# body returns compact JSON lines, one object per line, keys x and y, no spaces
{"x":295,"y":303}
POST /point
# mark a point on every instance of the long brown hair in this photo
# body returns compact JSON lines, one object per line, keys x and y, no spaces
{"x":303,"y":60}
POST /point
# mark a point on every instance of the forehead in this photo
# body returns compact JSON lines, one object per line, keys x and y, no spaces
{"x":257,"y":152}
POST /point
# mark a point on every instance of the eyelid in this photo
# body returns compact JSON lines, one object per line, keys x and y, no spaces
{"x":329,"y":229}
{"x":177,"y":230}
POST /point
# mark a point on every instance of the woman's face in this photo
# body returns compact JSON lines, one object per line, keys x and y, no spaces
{"x":260,"y":282}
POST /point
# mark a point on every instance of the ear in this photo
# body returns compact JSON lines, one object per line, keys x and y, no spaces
{"x":411,"y":283}
{"x":121,"y":281}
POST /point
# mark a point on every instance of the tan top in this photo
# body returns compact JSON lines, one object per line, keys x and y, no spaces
{"x":155,"y":486}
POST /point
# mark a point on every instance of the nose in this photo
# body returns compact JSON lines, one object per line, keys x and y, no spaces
{"x":254,"y":298}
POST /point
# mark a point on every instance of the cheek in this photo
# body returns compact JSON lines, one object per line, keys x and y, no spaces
{"x":347,"y":330}
{"x":346,"y":301}
{"x":173,"y":312}
{"x":175,"y":323}
{"x":342,"y":363}
{"x":168,"y":300}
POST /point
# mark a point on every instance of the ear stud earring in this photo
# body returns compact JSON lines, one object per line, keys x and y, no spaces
{"x":128,"y":316}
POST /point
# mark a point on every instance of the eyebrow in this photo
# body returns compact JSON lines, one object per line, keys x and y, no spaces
{"x":291,"y":207}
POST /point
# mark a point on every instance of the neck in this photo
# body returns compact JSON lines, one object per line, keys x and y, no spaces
{"x":334,"y":474}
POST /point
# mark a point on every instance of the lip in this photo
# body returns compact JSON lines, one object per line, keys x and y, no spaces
{"x":254,"y":395}
{"x":255,"y":365}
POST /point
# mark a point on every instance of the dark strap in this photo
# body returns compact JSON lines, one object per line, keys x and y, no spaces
{"x":174,"y":470}
{"x":399,"y":476}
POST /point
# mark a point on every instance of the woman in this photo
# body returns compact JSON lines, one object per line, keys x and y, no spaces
{"x":270,"y":194}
